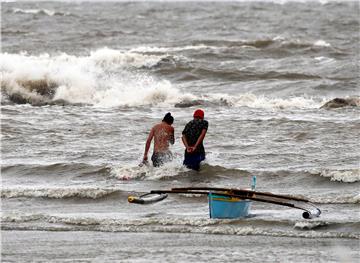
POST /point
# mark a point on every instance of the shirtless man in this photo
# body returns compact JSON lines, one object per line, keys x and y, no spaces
{"x":163,"y":134}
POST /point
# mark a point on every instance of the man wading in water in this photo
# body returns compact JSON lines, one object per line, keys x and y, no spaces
{"x":192,"y":137}
{"x":163,"y":134}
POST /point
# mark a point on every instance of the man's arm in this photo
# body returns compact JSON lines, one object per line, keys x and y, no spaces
{"x":148,"y":143}
{"x":172,"y":136}
{"x":201,"y":138}
{"x":183,"y":138}
{"x":189,"y":149}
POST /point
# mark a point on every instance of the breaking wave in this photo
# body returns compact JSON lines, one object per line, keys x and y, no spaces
{"x":46,"y":12}
{"x":174,"y":170}
{"x":61,"y":169}
{"x":250,"y":100}
{"x":277,"y":42}
{"x":105,"y":78}
{"x":346,"y":176}
{"x":169,"y":170}
{"x":171,"y":225}
{"x":58,"y":192}
{"x":273,"y":43}
{"x":112,"y":78}
{"x":95,"y":193}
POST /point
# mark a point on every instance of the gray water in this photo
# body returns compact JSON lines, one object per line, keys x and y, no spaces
{"x":83,"y":83}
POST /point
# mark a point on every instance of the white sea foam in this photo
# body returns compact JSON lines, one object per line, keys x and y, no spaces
{"x":166,"y":224}
{"x":106,"y":78}
{"x":322,"y":43}
{"x":253,"y":101}
{"x":110,"y":78}
{"x":39,"y":12}
{"x":246,"y":43}
{"x":58,"y":192}
{"x":145,"y":49}
{"x":33,"y":11}
{"x":112,"y":59}
{"x":346,"y":176}
{"x":148,"y":172}
{"x":308,"y":225}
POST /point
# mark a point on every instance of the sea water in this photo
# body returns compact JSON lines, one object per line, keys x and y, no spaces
{"x":83,"y":83}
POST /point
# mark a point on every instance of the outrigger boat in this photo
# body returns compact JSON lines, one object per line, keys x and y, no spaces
{"x":231,"y":203}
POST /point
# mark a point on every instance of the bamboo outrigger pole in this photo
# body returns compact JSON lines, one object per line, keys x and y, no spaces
{"x":283,"y":200}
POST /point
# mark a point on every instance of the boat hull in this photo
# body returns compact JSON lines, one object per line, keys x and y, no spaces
{"x":228,"y":207}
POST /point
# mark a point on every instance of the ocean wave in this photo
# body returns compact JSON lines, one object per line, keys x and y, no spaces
{"x":172,"y":170}
{"x":224,"y":46}
{"x":170,"y":225}
{"x":112,"y":78}
{"x":306,"y":225}
{"x":105,"y":78}
{"x":154,"y":49}
{"x":244,"y":231}
{"x":210,"y":173}
{"x":112,"y":59}
{"x":278,"y":42}
{"x":192,"y":72}
{"x":249,"y":100}
{"x":60,"y":169}
{"x":58,"y":192}
{"x":46,"y":12}
{"x":337,"y":199}
{"x":14,"y":32}
{"x":346,"y":176}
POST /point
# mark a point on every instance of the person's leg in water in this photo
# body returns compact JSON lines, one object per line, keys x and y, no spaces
{"x":160,"y":158}
{"x":193,"y":160}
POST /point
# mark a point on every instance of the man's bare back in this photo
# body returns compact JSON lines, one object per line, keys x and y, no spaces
{"x":163,"y":135}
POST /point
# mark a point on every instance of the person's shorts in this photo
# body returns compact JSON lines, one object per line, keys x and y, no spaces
{"x":193,"y":160}
{"x":160,"y":158}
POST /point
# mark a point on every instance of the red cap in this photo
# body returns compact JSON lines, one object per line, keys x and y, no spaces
{"x":199,"y":113}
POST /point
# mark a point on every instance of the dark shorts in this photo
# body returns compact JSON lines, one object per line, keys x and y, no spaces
{"x":160,"y":158}
{"x":193,"y":160}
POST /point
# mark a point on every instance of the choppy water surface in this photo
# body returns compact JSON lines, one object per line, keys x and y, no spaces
{"x":83,"y":83}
